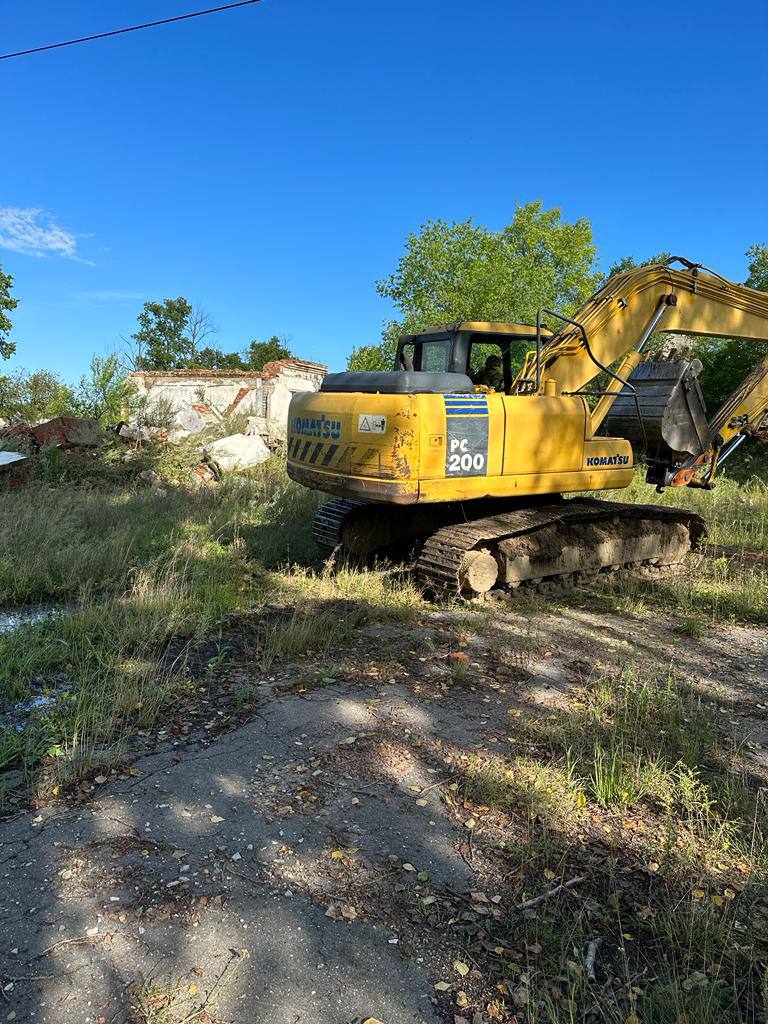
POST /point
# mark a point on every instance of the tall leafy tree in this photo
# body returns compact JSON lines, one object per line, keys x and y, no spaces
{"x":210,"y":358}
{"x":7,"y":305}
{"x":259,"y":353}
{"x":757,"y":257}
{"x":174,"y":335}
{"x":459,"y":270}
{"x":162,"y":340}
{"x":630,"y":263}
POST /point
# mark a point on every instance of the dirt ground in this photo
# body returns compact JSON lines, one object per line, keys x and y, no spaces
{"x":315,"y":864}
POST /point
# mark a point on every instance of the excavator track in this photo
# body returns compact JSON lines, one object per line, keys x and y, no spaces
{"x":539,"y":546}
{"x":330,"y":520}
{"x":561,"y":542}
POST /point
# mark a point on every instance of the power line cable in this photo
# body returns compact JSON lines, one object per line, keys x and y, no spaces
{"x":132,"y":28}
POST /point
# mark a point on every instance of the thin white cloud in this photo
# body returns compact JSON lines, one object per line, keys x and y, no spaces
{"x":34,"y":232}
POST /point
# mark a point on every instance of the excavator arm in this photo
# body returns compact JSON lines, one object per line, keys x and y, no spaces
{"x":617,"y":322}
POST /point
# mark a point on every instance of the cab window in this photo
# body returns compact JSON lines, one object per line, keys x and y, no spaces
{"x":435,"y":355}
{"x":487,"y":365}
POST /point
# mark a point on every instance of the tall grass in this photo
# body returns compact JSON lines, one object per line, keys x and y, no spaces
{"x":144,"y":573}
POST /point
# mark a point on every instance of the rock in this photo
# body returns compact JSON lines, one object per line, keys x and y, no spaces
{"x":132,"y":432}
{"x":189,"y":421}
{"x":239,"y":451}
{"x":9,"y":458}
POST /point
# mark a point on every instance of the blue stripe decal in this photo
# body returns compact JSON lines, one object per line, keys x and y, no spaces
{"x":466,"y":411}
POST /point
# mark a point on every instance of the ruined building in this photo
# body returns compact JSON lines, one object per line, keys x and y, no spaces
{"x":179,"y":396}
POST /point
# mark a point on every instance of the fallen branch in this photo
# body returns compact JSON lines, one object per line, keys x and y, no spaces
{"x":592,"y":949}
{"x":42,"y":977}
{"x":534,"y":902}
{"x":83,"y":939}
{"x":226,"y":976}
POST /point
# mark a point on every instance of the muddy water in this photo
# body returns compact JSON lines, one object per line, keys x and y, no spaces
{"x":12,"y":618}
{"x":16,"y":714}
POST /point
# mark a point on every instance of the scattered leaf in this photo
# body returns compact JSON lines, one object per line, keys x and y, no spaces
{"x":461,"y":968}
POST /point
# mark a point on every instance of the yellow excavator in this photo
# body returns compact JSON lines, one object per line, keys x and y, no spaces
{"x":471,"y":479}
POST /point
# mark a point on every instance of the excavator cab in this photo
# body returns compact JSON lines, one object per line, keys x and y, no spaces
{"x":466,"y":348}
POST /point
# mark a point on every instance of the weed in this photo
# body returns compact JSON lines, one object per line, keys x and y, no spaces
{"x":145,"y":576}
{"x":460,"y":670}
{"x":614,"y":775}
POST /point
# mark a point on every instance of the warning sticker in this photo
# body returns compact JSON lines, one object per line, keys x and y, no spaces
{"x":370,"y":424}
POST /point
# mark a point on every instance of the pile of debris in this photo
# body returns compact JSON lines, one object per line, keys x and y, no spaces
{"x":61,"y":432}
{"x":234,"y":452}
{"x":20,"y":441}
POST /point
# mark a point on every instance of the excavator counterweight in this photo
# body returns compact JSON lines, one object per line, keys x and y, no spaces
{"x":462,"y":454}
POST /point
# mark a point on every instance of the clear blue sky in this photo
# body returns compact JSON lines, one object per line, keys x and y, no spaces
{"x":269,"y":162}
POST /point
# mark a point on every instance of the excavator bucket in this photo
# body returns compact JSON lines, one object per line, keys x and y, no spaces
{"x":672,"y":411}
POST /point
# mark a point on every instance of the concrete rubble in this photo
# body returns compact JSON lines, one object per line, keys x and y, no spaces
{"x":239,"y":451}
{"x":61,"y":432}
{"x":8,"y":459}
{"x":133,"y":432}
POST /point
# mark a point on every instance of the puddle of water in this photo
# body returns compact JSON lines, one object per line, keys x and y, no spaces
{"x":12,"y":618}
{"x":16,"y":714}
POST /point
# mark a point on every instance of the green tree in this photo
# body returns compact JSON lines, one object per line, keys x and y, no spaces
{"x":757,"y":256}
{"x":259,"y":353}
{"x":214,"y":359}
{"x":629,"y":263}
{"x":104,"y":393}
{"x":464,"y":271}
{"x":372,"y":357}
{"x":162,"y":340}
{"x":7,"y":305}
{"x":29,"y":397}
